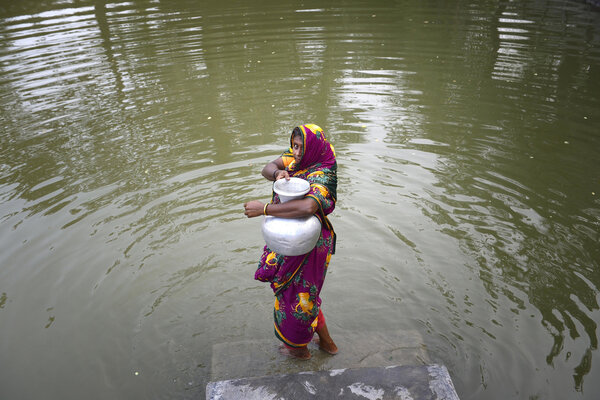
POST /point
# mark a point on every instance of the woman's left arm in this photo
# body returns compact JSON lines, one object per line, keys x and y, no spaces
{"x":290,"y":209}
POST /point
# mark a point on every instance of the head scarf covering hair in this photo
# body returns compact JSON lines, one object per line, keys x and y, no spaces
{"x":317,"y":152}
{"x":318,"y":164}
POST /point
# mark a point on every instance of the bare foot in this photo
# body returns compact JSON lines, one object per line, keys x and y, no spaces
{"x":300,"y":353}
{"x":325,"y":341}
{"x":327,"y":346}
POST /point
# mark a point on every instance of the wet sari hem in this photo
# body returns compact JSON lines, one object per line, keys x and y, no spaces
{"x":285,"y":341}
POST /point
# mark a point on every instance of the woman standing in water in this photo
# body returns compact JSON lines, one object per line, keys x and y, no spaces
{"x":297,"y":280}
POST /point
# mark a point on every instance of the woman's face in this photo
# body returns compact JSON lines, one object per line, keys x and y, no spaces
{"x":297,"y":148}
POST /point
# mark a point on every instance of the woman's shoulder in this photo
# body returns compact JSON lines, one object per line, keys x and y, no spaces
{"x":287,"y":158}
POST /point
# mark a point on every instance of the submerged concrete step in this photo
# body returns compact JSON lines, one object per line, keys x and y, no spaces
{"x":370,"y":349}
{"x":425,"y":382}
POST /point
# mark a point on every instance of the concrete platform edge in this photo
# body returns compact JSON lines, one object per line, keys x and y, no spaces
{"x":424,"y":382}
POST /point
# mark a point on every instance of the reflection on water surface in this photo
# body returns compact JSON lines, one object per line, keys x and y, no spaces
{"x":467,"y":141}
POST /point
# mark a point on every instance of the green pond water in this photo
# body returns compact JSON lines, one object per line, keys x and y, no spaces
{"x":467,"y":137}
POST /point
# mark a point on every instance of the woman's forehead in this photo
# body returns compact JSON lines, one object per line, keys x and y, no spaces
{"x":298,"y":140}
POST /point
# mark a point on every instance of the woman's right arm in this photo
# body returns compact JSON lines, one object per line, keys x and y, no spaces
{"x":275,"y":170}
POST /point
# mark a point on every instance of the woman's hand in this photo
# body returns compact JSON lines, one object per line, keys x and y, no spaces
{"x":253,"y":208}
{"x":275,"y":170}
{"x":282,"y":174}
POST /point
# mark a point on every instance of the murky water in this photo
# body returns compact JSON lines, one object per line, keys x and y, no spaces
{"x":467,"y":137}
